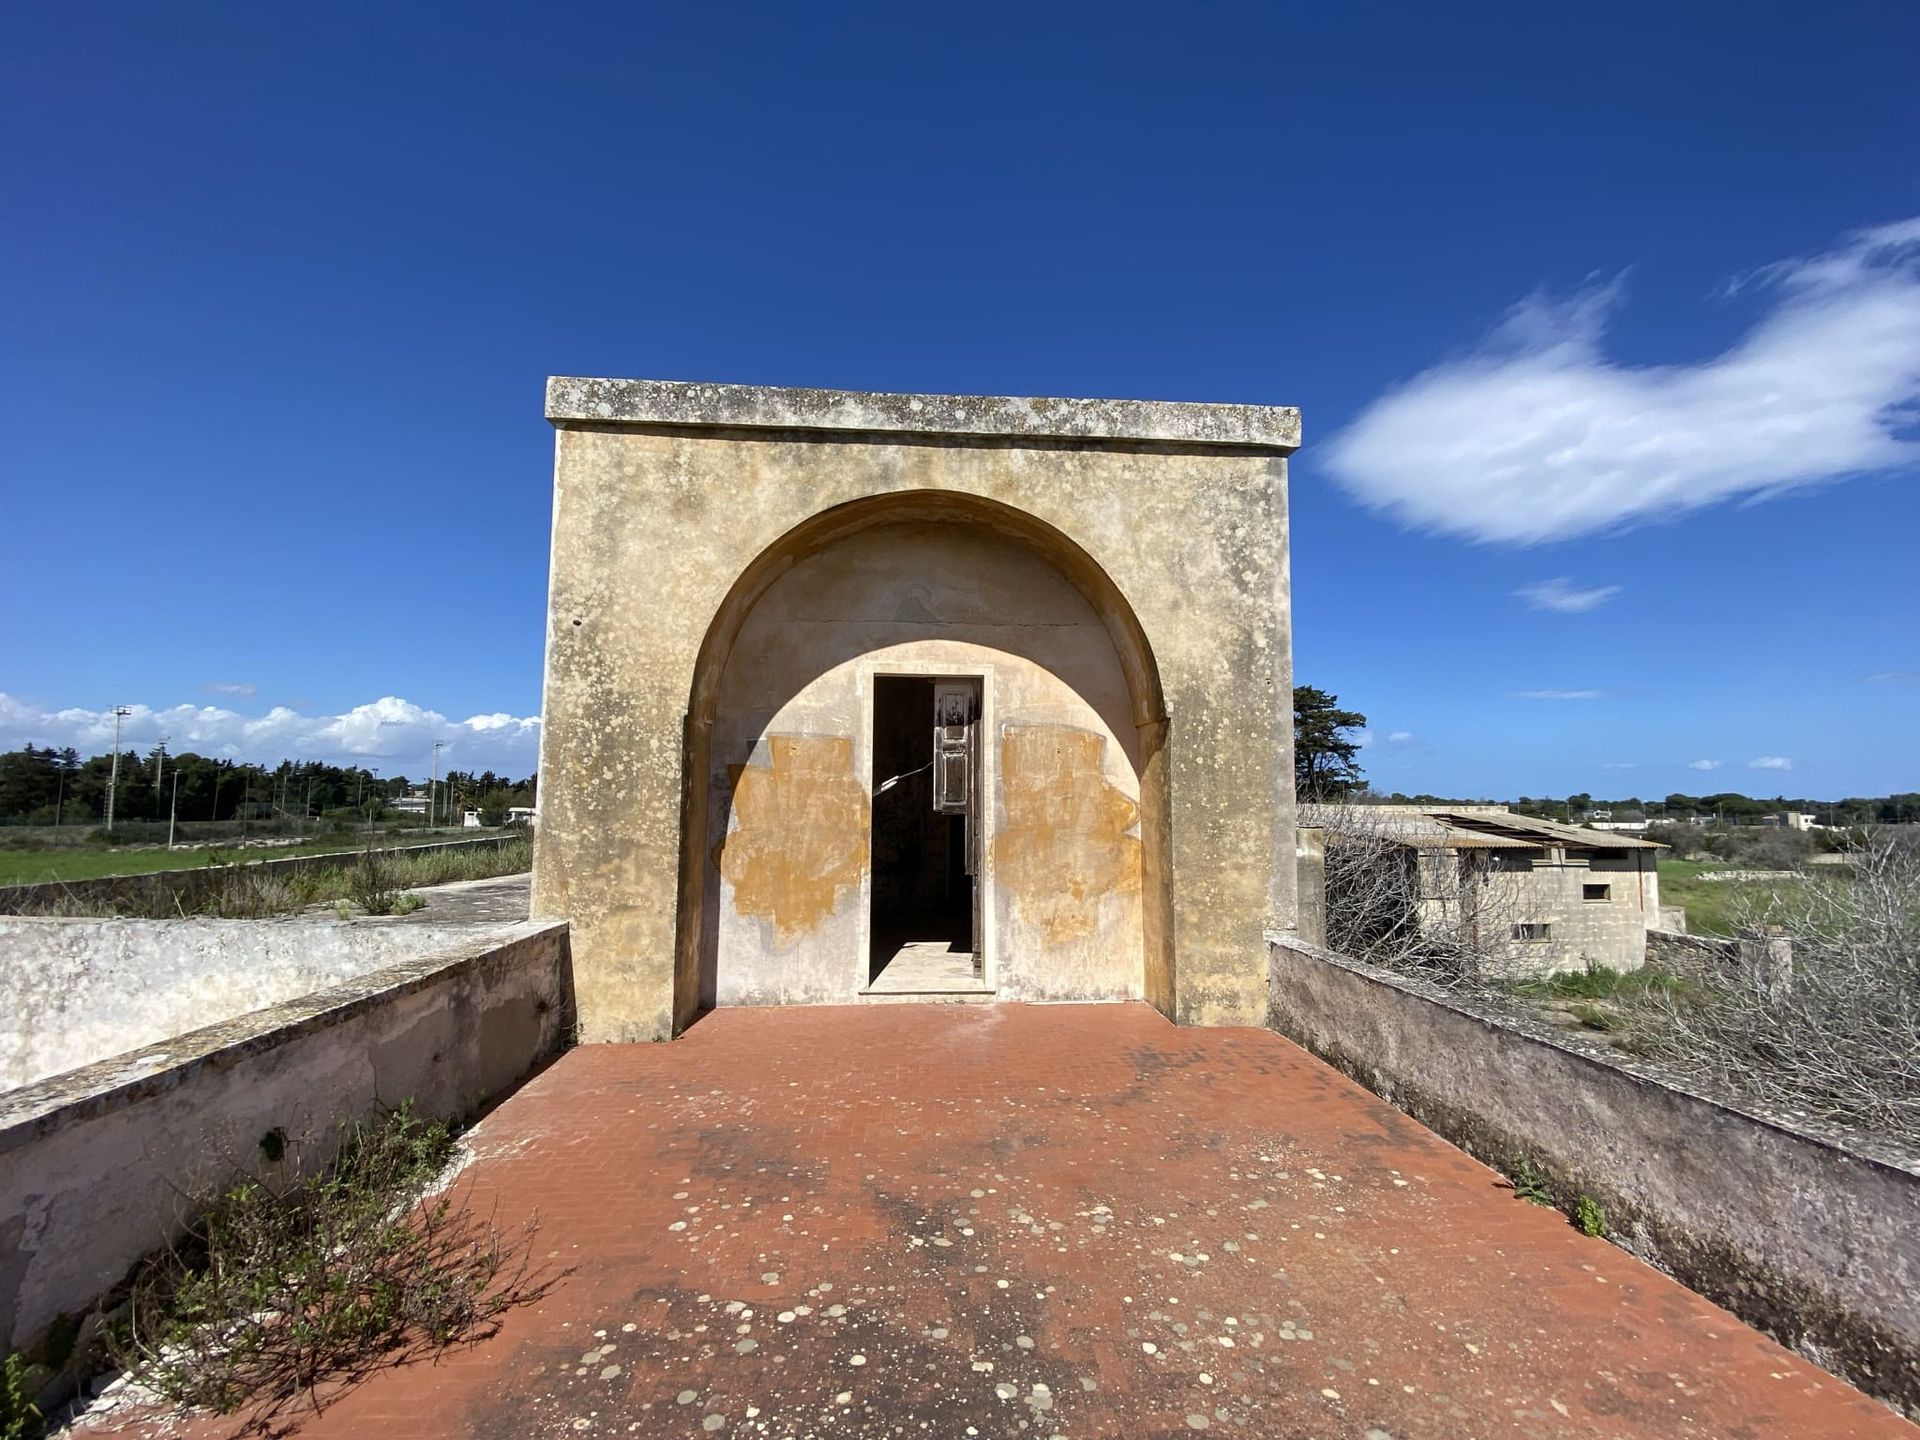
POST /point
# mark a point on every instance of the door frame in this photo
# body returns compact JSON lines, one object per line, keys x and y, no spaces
{"x":986,"y":820}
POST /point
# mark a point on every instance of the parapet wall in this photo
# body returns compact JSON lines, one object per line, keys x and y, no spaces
{"x":1811,"y":1237}
{"x":75,"y":992}
{"x":93,"y":1164}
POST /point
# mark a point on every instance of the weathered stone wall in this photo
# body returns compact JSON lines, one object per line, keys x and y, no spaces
{"x":675,"y":507}
{"x":73,"y":992}
{"x":180,"y":891}
{"x":1811,"y":1236}
{"x":92,"y":1164}
{"x":1682,"y":954}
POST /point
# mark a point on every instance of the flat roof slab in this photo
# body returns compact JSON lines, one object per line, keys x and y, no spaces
{"x":1049,"y":1220}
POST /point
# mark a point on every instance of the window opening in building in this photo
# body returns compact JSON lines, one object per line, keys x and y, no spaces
{"x":1533,"y":930}
{"x":1596,"y":892}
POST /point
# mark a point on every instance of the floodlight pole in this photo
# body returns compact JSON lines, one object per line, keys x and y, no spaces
{"x":173,"y":813}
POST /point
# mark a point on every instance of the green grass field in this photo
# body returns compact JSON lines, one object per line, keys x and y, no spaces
{"x":30,"y":867}
{"x":1710,"y":903}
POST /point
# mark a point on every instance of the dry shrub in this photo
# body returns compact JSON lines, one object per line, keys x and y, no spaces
{"x":281,"y":1289}
{"x":1420,"y":911}
{"x":1833,"y":1033}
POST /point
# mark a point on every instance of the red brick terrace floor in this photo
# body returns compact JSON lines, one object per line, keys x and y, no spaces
{"x":1075,"y":1220}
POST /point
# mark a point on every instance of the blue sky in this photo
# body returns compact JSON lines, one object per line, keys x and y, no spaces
{"x":1575,"y":301}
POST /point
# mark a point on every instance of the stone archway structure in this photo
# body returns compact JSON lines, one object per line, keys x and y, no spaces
{"x":732,"y":568}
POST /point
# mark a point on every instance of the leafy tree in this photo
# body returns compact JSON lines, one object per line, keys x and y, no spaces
{"x":1325,"y":761}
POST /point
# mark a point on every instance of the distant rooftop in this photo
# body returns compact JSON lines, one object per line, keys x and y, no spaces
{"x":1481,"y":827}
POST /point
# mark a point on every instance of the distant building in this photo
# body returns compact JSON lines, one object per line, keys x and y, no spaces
{"x":1554,"y":897}
{"x":520,"y":815}
{"x":1799,"y":820}
{"x":412,"y":804}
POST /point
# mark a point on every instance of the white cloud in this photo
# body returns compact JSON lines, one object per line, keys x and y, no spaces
{"x":1563,"y":595}
{"x":1891,"y":677}
{"x":1558,"y":694}
{"x":1703,"y":765}
{"x":1538,"y":436}
{"x":1770,"y":762}
{"x":1399,"y":737}
{"x":240,"y":688}
{"x":397,"y":733}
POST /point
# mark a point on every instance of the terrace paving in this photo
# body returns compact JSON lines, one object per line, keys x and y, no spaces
{"x":997,"y":1220}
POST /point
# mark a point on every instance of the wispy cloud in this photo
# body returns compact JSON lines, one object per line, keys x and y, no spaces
{"x":238,"y":688}
{"x":1770,"y":762}
{"x":1894,"y":677}
{"x":1537,"y":435}
{"x":1563,"y":595}
{"x":1621,"y":765}
{"x":387,"y":729}
{"x":1703,"y":764}
{"x":1558,"y":694}
{"x":1399,"y":737}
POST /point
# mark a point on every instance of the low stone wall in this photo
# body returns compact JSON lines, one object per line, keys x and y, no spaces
{"x":93,"y":1164}
{"x":180,"y":891}
{"x":1810,"y":1236}
{"x":1690,"y":955}
{"x":73,"y":992}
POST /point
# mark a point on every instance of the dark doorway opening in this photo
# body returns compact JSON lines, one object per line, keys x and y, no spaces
{"x":924,"y":803}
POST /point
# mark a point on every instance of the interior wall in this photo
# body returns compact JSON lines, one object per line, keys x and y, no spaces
{"x":789,"y":874}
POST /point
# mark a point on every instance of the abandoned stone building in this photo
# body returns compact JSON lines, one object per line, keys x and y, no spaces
{"x":858,"y":696}
{"x":1540,"y":897}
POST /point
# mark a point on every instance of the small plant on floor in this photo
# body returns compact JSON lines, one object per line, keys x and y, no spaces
{"x":406,"y":904}
{"x":283,"y":1288}
{"x":373,"y":892}
{"x":18,"y":1416}
{"x":1530,"y":1182}
{"x":1591,"y":1219}
{"x":1594,"y":1017}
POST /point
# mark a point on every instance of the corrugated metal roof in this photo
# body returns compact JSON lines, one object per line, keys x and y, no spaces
{"x":1478,"y":829}
{"x":1549,"y":831}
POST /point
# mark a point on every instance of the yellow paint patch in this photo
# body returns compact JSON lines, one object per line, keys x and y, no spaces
{"x":1065,"y":844}
{"x":798,"y":843}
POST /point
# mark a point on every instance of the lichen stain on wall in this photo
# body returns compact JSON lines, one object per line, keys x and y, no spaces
{"x":1069,"y":838}
{"x":798,"y":842}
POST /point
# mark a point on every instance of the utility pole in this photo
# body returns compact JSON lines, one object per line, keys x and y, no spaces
{"x":433,"y":786}
{"x":160,"y":760}
{"x":173,"y":814}
{"x":120,"y":712}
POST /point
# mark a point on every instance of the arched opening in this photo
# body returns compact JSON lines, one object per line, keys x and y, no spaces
{"x":792,"y":836}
